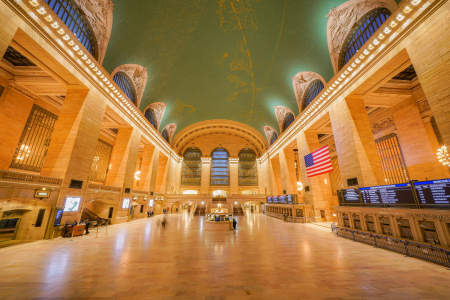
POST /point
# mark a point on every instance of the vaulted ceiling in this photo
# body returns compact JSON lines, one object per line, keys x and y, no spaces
{"x":221,"y":59}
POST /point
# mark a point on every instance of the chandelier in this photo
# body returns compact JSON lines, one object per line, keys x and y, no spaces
{"x":443,"y":156}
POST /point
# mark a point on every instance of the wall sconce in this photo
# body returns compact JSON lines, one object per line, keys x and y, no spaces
{"x":299,"y":186}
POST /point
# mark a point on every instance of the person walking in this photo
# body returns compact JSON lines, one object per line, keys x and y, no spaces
{"x":234,"y":223}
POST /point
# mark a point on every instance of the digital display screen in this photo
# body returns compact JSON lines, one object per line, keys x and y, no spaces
{"x":72,"y":204}
{"x":395,"y":194}
{"x":433,"y":192}
{"x":269,"y":199}
{"x":290,"y":199}
{"x":58,"y":217}
{"x":126,"y":203}
{"x":282,"y":199}
{"x":349,"y":196}
{"x":150,"y":202}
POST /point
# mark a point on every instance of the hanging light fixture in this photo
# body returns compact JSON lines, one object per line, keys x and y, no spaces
{"x":443,"y":156}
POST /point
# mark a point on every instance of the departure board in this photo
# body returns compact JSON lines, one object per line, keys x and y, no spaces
{"x":349,"y":197}
{"x":269,"y":199}
{"x":290,"y":199}
{"x":395,"y":194}
{"x":433,"y":192}
{"x":282,"y":199}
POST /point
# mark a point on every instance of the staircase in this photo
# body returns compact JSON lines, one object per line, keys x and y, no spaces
{"x":93,"y":217}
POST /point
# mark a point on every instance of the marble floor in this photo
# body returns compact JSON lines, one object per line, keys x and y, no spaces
{"x":264,"y":259}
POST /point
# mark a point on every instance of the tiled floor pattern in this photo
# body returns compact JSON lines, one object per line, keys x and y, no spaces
{"x":264,"y":259}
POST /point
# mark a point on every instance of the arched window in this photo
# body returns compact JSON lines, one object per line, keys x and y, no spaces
{"x":165,"y":134}
{"x":311,"y":93}
{"x":220,"y":173}
{"x":288,"y":119}
{"x":125,"y":84}
{"x":150,"y":116}
{"x":192,"y":166}
{"x":247,"y":168}
{"x":273,"y":138}
{"x":361,"y":33}
{"x":74,"y":19}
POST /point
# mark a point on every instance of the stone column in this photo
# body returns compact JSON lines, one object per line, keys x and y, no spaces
{"x":205,"y":173}
{"x":234,"y":176}
{"x":355,"y":144}
{"x":431,"y":59}
{"x":147,"y":164}
{"x":161,"y":174}
{"x":288,"y":167}
{"x":7,"y":27}
{"x":123,"y":158}
{"x":319,"y":194}
{"x":419,"y":156}
{"x":75,"y":136}
{"x":275,"y":172}
{"x":15,"y":109}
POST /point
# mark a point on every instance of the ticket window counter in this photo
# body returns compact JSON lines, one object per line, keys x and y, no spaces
{"x":370,"y":224}
{"x":346,"y":220}
{"x":300,"y":213}
{"x":357,"y":221}
{"x":405,"y":229}
{"x":385,"y":223}
{"x":429,"y":232}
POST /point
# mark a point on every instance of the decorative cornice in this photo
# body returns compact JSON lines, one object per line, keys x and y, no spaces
{"x":100,"y":16}
{"x":301,"y":82}
{"x":396,"y":27}
{"x":268,"y":130}
{"x":47,"y":24}
{"x":159,"y":109}
{"x":280,"y":114}
{"x":171,"y":128}
{"x":342,"y":19}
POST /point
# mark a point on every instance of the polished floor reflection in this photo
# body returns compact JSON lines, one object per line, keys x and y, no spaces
{"x":264,"y":259}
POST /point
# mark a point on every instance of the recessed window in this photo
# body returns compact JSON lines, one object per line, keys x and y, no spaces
{"x":100,"y":163}
{"x":311,"y":93}
{"x":192,"y":167}
{"x":151,"y":117}
{"x":361,"y":33}
{"x":75,"y":20}
{"x":273,"y":138}
{"x":35,"y":140}
{"x":220,"y":174}
{"x":165,"y":134}
{"x":288,"y":119}
{"x":125,"y":84}
{"x":248,"y":175}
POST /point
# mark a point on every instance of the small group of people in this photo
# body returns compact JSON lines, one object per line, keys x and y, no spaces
{"x":67,"y":232}
{"x":150,"y":214}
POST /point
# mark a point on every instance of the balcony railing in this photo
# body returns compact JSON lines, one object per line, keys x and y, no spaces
{"x":16,"y":177}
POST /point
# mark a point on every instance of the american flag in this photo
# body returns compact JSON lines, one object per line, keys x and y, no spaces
{"x":318,"y":162}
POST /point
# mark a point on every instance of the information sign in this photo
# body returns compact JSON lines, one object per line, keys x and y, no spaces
{"x":395,"y":194}
{"x":350,"y":197}
{"x":433,"y":192}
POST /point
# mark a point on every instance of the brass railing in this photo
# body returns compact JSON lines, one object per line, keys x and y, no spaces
{"x":420,"y":250}
{"x":96,"y":186}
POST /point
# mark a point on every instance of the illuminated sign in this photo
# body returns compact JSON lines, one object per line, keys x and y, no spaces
{"x":433,"y":192}
{"x":72,"y":204}
{"x":126,"y":203}
{"x":394,"y":194}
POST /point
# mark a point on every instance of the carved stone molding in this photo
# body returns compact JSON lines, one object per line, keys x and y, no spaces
{"x":138,"y":75}
{"x":268,"y":130}
{"x":158,"y":108}
{"x":99,"y":14}
{"x":280,"y":114}
{"x":342,"y":19}
{"x":171,"y":128}
{"x":301,"y":82}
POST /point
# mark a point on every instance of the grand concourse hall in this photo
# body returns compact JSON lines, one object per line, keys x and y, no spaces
{"x":225,"y":149}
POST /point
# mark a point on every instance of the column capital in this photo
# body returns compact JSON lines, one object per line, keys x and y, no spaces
{"x":206,"y":160}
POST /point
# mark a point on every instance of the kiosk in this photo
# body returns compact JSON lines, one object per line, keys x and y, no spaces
{"x":219,"y":219}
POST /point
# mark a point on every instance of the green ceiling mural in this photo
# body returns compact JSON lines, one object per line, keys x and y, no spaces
{"x":227,"y":59}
